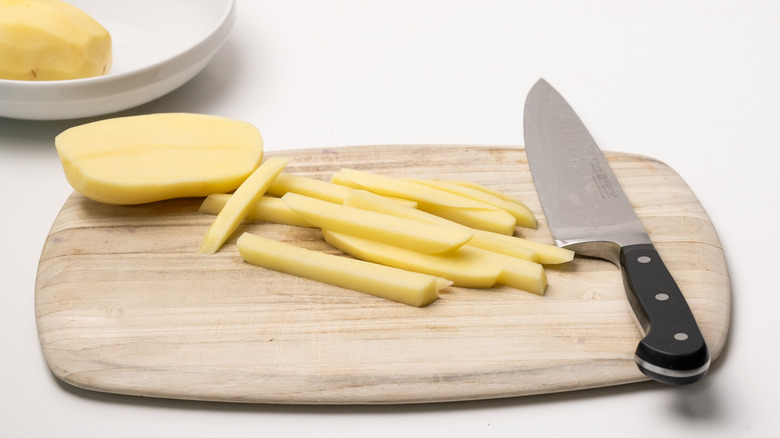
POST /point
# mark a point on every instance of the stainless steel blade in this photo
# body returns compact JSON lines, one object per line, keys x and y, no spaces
{"x":596,"y":218}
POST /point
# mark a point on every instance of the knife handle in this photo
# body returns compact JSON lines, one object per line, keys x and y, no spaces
{"x":673,"y":350}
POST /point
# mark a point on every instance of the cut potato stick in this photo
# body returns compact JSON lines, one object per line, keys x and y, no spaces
{"x":394,"y":284}
{"x":245,"y":196}
{"x":491,"y":242}
{"x":273,"y":210}
{"x":520,"y":274}
{"x":500,"y":243}
{"x":266,"y":209}
{"x":308,"y":186}
{"x":482,"y":239}
{"x":408,"y":233}
{"x":315,"y":188}
{"x":544,"y":253}
{"x":269,"y":209}
{"x":340,"y":179}
{"x":371,"y":201}
{"x":465,"y":267}
{"x":524,"y":216}
{"x":458,"y":267}
{"x":497,"y":221}
{"x":407,"y":202}
{"x":486,"y":189}
{"x":470,"y":212}
{"x":388,"y":185}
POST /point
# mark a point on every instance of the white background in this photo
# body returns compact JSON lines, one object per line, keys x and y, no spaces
{"x":694,"y":84}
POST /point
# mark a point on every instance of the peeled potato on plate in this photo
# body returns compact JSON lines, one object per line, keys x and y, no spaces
{"x":49,"y":40}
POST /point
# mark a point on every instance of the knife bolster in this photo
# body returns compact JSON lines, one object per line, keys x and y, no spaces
{"x":607,"y":245}
{"x":605,"y":250}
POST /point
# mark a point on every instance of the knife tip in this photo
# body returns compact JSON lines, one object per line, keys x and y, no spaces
{"x":541,"y":82}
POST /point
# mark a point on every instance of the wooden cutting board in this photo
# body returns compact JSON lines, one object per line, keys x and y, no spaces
{"x":124,"y":303}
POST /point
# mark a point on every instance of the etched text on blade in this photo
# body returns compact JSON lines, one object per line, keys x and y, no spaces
{"x":577,"y":187}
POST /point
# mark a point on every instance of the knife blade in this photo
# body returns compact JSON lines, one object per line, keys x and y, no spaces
{"x":587,"y":211}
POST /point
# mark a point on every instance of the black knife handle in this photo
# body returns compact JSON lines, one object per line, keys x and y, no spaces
{"x":673,"y":350}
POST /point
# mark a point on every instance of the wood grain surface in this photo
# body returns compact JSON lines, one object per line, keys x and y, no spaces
{"x":125,"y":304}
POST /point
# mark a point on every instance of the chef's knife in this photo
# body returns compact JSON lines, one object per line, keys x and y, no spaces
{"x":588,"y":212}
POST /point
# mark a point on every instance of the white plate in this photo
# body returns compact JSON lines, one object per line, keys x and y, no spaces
{"x":158,"y":45}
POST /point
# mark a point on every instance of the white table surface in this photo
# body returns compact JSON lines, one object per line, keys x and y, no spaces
{"x":694,"y":84}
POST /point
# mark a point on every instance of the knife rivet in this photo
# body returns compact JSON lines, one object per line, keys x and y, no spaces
{"x":643,"y":259}
{"x":662,"y":297}
{"x":680,"y":336}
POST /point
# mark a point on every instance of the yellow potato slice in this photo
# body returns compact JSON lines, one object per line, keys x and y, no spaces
{"x":486,"y":189}
{"x":273,"y":210}
{"x":240,"y":203}
{"x":266,"y":209}
{"x":315,"y":188}
{"x":311,"y":187}
{"x":401,"y":188}
{"x":520,"y":274}
{"x":371,"y":201}
{"x":139,"y":159}
{"x":497,"y":221}
{"x":460,"y":267}
{"x":340,"y":179}
{"x":522,"y":214}
{"x":398,"y":285}
{"x":422,"y":237}
{"x":499,"y":243}
{"x":465,"y":267}
{"x":470,"y":212}
{"x":544,"y":253}
{"x":482,"y":239}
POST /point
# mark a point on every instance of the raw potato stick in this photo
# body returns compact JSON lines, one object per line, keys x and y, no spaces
{"x":460,"y":267}
{"x":308,"y":186}
{"x":273,"y":210}
{"x":466,"y":211}
{"x":247,"y":194}
{"x":486,"y":189}
{"x":315,"y":188}
{"x":544,"y":253}
{"x":382,"y":281}
{"x":500,"y":243}
{"x":401,"y":188}
{"x":266,"y":209}
{"x":422,"y":237}
{"x":523,"y":215}
{"x":482,"y":239}
{"x":466,"y":267}
{"x":495,"y":220}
